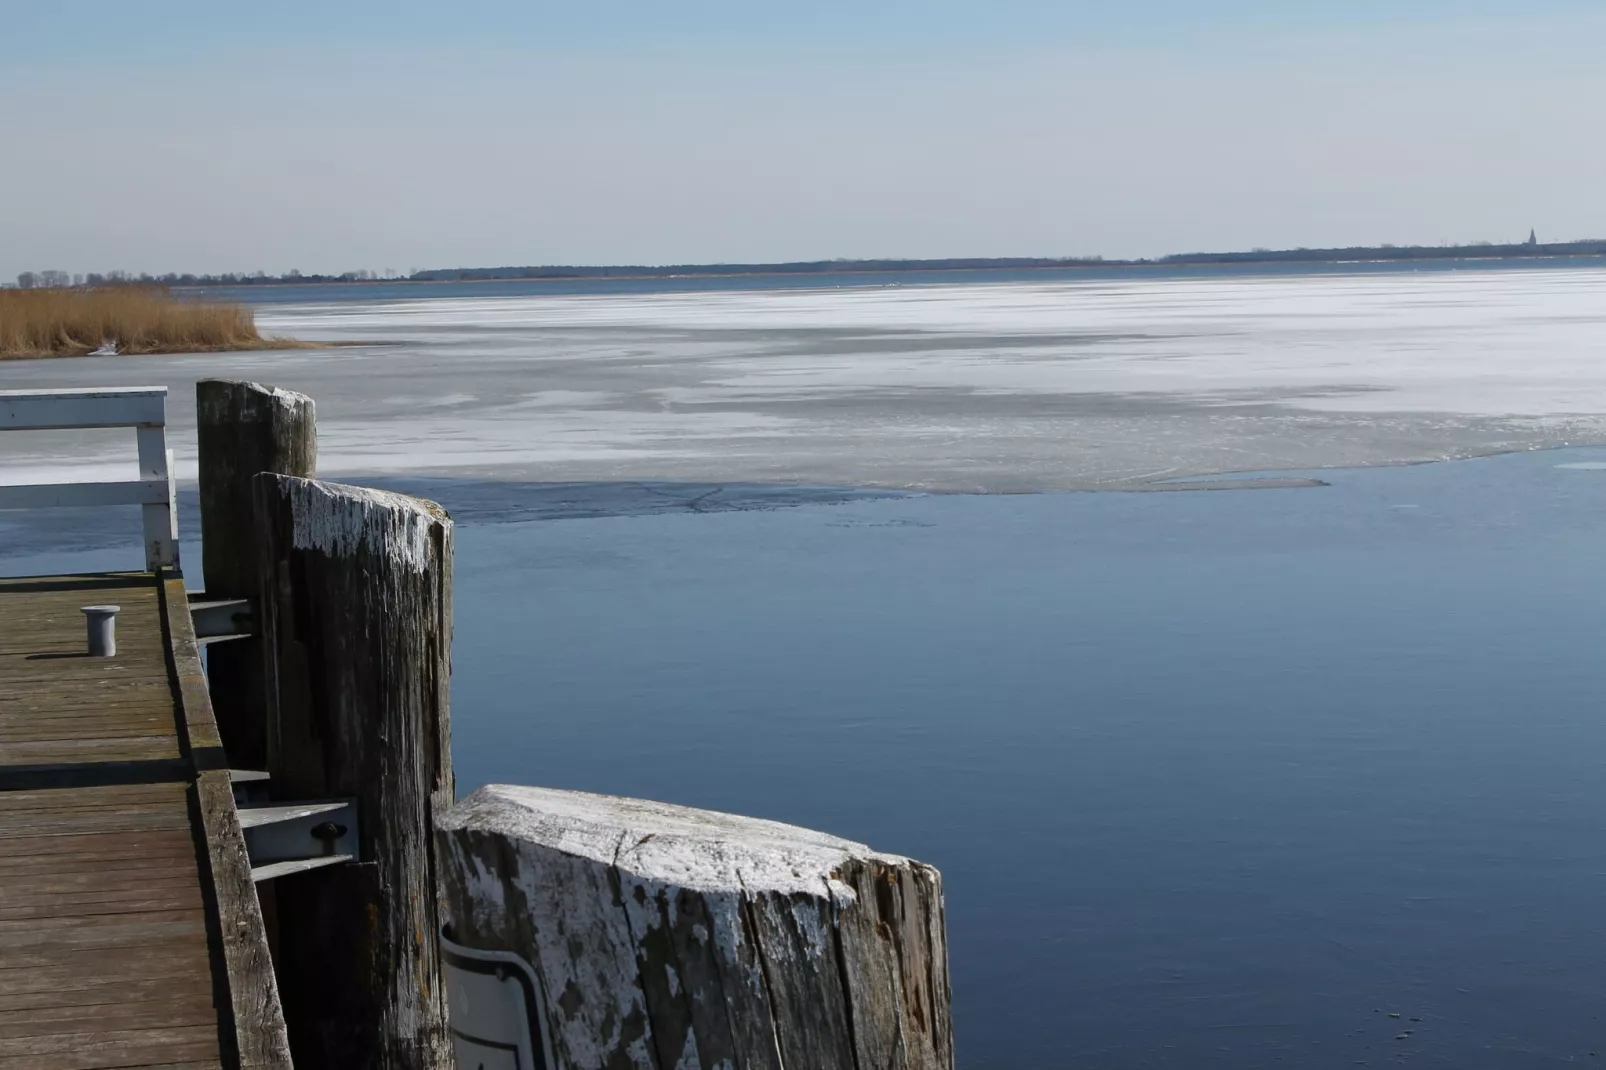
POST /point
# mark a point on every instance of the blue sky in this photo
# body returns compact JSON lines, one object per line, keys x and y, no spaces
{"x":174,"y":136}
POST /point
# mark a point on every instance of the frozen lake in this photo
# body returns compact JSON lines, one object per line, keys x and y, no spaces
{"x":1002,"y":387}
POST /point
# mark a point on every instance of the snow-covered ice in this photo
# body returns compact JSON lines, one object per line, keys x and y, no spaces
{"x":975,"y":387}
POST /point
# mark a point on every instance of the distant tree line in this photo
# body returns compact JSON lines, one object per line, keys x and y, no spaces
{"x":823,"y":267}
{"x":31,"y":280}
{"x":1477,"y":250}
{"x":801,"y":267}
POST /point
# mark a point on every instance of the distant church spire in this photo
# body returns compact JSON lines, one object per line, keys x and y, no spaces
{"x":1533,"y":237}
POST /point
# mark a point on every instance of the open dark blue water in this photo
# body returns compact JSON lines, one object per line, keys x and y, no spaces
{"x":1215,"y":779}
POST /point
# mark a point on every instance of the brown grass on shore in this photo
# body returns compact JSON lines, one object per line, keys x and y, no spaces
{"x":136,"y":319}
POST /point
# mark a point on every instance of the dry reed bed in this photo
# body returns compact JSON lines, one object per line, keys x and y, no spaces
{"x":65,"y":323}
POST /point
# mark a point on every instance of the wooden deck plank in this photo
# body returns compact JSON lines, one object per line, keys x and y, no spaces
{"x":50,"y":682}
{"x":102,"y":1050}
{"x":65,"y":711}
{"x":150,"y":852}
{"x":130,"y":862}
{"x":86,"y":912}
{"x":122,"y":796}
{"x":109,"y":933}
{"x":104,"y":721}
{"x":89,"y":850}
{"x":107,"y":993}
{"x":133,"y":876}
{"x":89,"y":808}
{"x":174,"y":881}
{"x":105,"y":707}
{"x":53,"y":969}
{"x":162,"y":1011}
{"x":92,"y":821}
{"x":54,"y":752}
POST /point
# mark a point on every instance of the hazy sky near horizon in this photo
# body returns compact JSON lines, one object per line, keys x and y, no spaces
{"x":219,"y":137}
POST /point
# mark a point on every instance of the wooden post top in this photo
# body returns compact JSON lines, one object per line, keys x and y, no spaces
{"x":339,"y":520}
{"x":690,"y":848}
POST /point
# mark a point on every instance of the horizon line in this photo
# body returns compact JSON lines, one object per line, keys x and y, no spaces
{"x":1531,"y":248}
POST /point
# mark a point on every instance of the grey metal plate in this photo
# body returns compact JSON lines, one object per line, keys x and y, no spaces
{"x":497,"y":1010}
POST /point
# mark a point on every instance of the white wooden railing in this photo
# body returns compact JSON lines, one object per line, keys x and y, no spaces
{"x":144,"y":408}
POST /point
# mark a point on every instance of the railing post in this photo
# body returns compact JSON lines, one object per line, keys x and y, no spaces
{"x":160,"y":519}
{"x":355,"y":617}
{"x":243,"y":428}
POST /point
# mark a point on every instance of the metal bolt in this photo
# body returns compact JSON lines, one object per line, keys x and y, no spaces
{"x":328,"y":832}
{"x":102,"y":621}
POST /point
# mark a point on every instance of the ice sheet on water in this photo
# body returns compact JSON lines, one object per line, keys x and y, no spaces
{"x":976,"y":387}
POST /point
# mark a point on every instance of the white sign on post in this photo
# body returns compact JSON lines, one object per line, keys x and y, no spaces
{"x":497,"y":1010}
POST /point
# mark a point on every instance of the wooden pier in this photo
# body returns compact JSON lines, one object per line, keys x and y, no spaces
{"x":183,"y":840}
{"x":129,"y":929}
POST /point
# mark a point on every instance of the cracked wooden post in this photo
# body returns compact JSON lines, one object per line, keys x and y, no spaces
{"x":659,"y":936}
{"x":356,"y":621}
{"x":242,"y":428}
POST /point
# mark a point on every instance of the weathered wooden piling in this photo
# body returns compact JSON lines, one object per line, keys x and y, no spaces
{"x":593,"y":931}
{"x":355,"y":615}
{"x":658,"y":936}
{"x":243,"y":428}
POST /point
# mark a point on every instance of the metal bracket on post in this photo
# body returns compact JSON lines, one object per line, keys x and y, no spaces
{"x":250,"y":787}
{"x":222,"y":618}
{"x":285,"y":838}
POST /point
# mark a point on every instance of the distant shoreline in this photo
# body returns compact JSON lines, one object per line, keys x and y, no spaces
{"x":648,"y":274}
{"x":558,"y":273}
{"x":1366,"y":255}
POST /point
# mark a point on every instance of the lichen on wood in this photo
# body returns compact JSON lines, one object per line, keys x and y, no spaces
{"x":668,"y":938}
